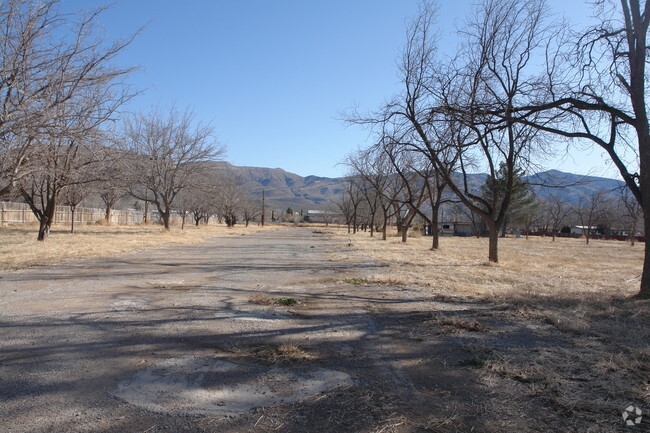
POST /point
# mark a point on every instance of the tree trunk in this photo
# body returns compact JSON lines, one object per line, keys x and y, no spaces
{"x":46,"y":218}
{"x":166,"y":217}
{"x":109,"y":211}
{"x":493,"y":232}
{"x":644,"y":291}
{"x":183,"y":222}
{"x":44,"y":228}
{"x":435,"y":244}
{"x":72,"y":212}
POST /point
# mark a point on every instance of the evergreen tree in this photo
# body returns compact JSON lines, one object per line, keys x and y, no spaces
{"x":523,"y":203}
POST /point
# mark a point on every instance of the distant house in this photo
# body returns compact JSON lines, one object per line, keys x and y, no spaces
{"x":581,"y":230}
{"x":320,"y":216}
{"x":456,"y":228}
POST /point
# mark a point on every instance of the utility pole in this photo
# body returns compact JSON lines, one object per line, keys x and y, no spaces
{"x":263,"y":208}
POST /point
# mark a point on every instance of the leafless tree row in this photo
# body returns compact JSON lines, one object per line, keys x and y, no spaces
{"x":62,"y":138}
{"x":493,"y":108}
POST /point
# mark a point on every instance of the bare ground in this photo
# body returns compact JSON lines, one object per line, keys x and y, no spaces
{"x":140,"y":343}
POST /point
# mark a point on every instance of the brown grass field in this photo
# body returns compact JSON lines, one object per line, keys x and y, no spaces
{"x":19,"y":248}
{"x":593,"y":352}
{"x":535,"y":266}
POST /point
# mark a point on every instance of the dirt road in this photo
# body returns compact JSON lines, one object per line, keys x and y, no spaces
{"x":168,"y":340}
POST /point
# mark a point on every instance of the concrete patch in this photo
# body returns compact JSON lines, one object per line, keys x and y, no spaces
{"x":196,"y":386}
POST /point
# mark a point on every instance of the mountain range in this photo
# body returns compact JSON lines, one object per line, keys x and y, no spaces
{"x":283,"y":189}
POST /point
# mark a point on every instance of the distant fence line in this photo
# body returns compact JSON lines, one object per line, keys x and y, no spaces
{"x":20,"y":213}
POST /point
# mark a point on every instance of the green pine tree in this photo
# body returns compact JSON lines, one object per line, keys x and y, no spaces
{"x":523,"y":203}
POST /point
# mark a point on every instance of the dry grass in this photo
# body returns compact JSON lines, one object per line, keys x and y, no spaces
{"x":281,"y":354}
{"x":583,"y":350}
{"x":20,"y":249}
{"x":534,"y":266}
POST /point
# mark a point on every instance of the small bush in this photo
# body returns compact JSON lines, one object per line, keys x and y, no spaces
{"x":286,"y":301}
{"x":474,"y":362}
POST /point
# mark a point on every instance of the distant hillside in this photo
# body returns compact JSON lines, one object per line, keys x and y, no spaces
{"x":569,"y":187}
{"x":284,"y":189}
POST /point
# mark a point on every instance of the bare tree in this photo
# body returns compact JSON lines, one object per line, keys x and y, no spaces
{"x":350,"y":202}
{"x":632,"y":215}
{"x":598,"y":94}
{"x":376,"y":170}
{"x":589,"y":211}
{"x":250,"y":209}
{"x":50,"y":61}
{"x":166,"y":150}
{"x":73,"y":196}
{"x":554,"y":214}
{"x":66,"y":157}
{"x":467,"y":113}
{"x":112,"y":185}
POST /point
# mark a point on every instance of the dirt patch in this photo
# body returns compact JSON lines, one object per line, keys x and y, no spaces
{"x":196,"y":386}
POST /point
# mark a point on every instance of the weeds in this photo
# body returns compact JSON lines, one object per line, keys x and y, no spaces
{"x":356,"y":281}
{"x":474,"y":362}
{"x":264,"y":299}
{"x":285,"y":301}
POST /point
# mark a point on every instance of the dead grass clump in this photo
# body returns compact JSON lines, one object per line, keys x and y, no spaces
{"x":264,"y":299}
{"x":281,"y":354}
{"x":323,"y":232}
{"x":448,"y":325}
{"x":261,"y":299}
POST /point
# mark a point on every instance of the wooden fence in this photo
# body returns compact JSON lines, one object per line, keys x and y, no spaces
{"x":20,"y":213}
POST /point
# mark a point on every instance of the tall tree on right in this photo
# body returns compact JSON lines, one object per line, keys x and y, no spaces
{"x":598,"y":93}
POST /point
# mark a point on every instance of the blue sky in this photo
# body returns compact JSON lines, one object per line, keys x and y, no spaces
{"x":274,"y":76}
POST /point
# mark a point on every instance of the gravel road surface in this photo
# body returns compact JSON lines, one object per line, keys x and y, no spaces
{"x":169,"y":340}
